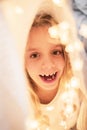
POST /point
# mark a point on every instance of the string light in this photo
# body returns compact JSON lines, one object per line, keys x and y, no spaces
{"x":34,"y":124}
{"x":69,"y":48}
{"x":50,"y":108}
{"x":78,"y":64}
{"x":64,"y":25}
{"x":69,"y":102}
{"x":58,"y":2}
{"x":31,"y":124}
{"x":74,"y":82}
{"x":53,"y":31}
{"x":78,"y":45}
{"x":68,"y":110}
{"x":19,"y":10}
{"x":60,"y":31}
{"x":63,"y":124}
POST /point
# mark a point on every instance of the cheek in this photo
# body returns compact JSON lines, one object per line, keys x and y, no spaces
{"x":28,"y":67}
{"x":29,"y":64}
{"x":61,"y":64}
{"x":32,"y":68}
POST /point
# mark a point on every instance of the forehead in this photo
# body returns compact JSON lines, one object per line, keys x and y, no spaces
{"x":40,"y":29}
{"x":41,"y":34}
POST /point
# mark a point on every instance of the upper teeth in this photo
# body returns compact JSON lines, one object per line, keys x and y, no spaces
{"x":48,"y":74}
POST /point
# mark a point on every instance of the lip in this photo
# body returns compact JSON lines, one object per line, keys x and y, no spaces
{"x":49,"y":78}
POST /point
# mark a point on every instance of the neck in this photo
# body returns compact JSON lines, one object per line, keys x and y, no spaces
{"x":46,"y":96}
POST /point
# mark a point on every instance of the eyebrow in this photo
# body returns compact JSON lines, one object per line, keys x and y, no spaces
{"x":58,"y":45}
{"x":31,"y":49}
{"x":34,"y":49}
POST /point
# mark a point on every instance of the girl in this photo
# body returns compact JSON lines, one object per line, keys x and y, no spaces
{"x":49,"y":72}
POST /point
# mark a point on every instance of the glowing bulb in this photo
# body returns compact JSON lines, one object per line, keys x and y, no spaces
{"x":66,"y":97}
{"x":63,"y":124}
{"x":64,"y":32}
{"x":68,"y":110}
{"x":53,"y":31}
{"x":78,"y":64}
{"x":67,"y":85}
{"x":64,"y":25}
{"x":18,"y":10}
{"x":58,"y":2}
{"x":50,"y":108}
{"x":74,"y":82}
{"x":78,"y":45}
{"x":47,"y":128}
{"x":32,"y":124}
{"x":64,"y":38}
{"x":60,"y":31}
{"x":69,"y":48}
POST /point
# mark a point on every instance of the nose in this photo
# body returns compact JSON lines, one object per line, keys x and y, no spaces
{"x":48,"y":63}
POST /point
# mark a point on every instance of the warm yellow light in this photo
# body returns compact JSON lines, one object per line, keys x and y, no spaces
{"x":65,"y":38}
{"x":64,"y":25}
{"x":53,"y":31}
{"x":69,"y":48}
{"x":78,"y":64}
{"x":31,"y":124}
{"x":19,"y":10}
{"x":60,"y":31}
{"x":75,"y":82}
{"x":50,"y":108}
{"x":68,"y":110}
{"x":78,"y":45}
{"x":58,"y":2}
{"x":47,"y":128}
{"x":64,"y":32}
{"x":63,"y":124}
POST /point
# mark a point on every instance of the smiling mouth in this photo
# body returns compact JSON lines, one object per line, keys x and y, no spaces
{"x":49,"y":78}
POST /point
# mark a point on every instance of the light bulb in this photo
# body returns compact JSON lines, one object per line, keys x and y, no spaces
{"x":50,"y":108}
{"x":19,"y":10}
{"x":31,"y":124}
{"x":78,"y":45}
{"x":53,"y":31}
{"x":77,"y":64}
{"x":69,"y":109}
{"x":69,"y":48}
{"x":75,"y":82}
{"x":58,"y":2}
{"x":63,"y":124}
{"x":64,"y":25}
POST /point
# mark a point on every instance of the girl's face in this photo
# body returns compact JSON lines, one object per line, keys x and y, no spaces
{"x":44,"y":59}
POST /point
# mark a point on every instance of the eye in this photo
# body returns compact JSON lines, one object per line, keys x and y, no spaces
{"x":57,"y":52}
{"x":34,"y":55}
